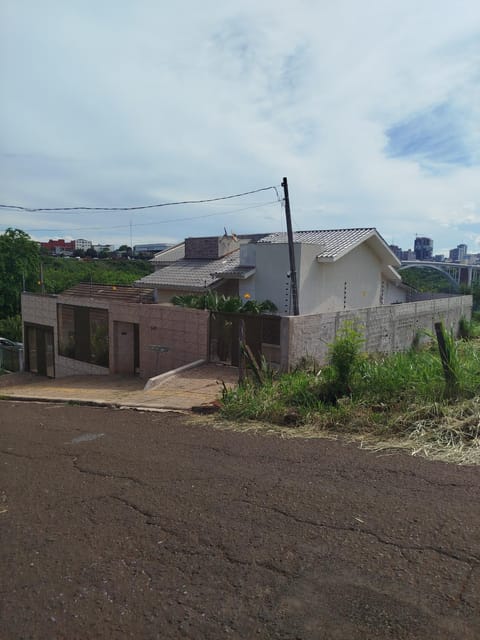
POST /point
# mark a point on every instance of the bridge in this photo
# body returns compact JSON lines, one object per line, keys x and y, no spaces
{"x":457,"y":273}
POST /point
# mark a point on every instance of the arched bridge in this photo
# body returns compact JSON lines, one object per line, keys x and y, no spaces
{"x":467,"y":274}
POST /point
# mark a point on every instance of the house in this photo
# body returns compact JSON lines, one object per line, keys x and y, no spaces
{"x":199,"y":265}
{"x":337,"y":269}
{"x":168,"y":256}
{"x":342,"y":274}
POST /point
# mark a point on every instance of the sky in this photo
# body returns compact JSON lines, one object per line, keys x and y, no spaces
{"x":370,"y":109}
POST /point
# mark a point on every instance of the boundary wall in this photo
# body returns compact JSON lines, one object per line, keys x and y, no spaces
{"x":169,"y":337}
{"x":386,"y":329}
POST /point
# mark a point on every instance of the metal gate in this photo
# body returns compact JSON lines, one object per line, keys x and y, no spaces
{"x":39,"y":352}
{"x":262,"y":335}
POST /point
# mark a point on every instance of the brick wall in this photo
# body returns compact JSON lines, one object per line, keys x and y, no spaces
{"x":209,"y":248}
{"x":171,"y":337}
{"x":386,"y":329}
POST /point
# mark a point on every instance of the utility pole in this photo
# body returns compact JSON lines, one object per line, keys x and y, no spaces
{"x":291,"y":251}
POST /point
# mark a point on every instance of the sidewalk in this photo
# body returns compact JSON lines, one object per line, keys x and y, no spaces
{"x":182,"y":391}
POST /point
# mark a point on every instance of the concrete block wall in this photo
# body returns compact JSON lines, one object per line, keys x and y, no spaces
{"x":183,"y":333}
{"x":386,"y":329}
{"x":37,"y":309}
{"x":69,"y":367}
{"x":42,"y":310}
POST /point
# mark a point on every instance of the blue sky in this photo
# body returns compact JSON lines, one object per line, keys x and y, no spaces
{"x":372,"y":110}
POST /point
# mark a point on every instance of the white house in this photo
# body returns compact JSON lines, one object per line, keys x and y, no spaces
{"x":338,"y":269}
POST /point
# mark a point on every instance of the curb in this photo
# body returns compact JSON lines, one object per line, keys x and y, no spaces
{"x":93,"y":403}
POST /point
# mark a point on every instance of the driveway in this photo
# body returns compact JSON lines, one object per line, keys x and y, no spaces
{"x":122,"y":524}
{"x":182,"y":390}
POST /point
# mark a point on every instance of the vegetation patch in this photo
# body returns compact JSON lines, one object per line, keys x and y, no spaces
{"x":413,"y":400}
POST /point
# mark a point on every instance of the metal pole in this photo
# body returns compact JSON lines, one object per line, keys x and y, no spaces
{"x":291,"y":251}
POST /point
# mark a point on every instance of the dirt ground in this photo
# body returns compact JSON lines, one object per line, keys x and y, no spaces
{"x":122,"y":524}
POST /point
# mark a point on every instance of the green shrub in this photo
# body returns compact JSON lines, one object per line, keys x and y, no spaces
{"x":343,"y":358}
{"x":11,"y":328}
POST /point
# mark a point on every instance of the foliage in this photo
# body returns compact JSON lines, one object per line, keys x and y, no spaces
{"x":212,"y":301}
{"x":19,"y":262}
{"x":468,"y":329}
{"x":11,"y":328}
{"x":427,"y":279}
{"x":60,"y":273}
{"x":402,"y":395}
{"x":474,"y":291}
{"x":447,"y":347}
{"x":261,"y":371}
{"x":344,"y":358}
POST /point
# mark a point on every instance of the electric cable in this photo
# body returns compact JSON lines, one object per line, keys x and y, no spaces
{"x":139,"y":207}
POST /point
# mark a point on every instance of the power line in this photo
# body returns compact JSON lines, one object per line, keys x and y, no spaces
{"x":139,"y":207}
{"x":157,"y":222}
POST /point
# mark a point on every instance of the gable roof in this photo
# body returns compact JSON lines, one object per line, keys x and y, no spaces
{"x":197,"y":274}
{"x":333,"y":244}
{"x":169,"y":255}
{"x":194,"y":275}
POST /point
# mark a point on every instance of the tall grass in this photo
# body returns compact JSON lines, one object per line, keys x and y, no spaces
{"x":373,"y":389}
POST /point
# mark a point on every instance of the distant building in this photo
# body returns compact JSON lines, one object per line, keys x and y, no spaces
{"x":150,"y":249}
{"x":423,"y":248}
{"x":408,"y":255}
{"x":82,"y":245}
{"x":59,"y":247}
{"x":108,"y":248}
{"x":396,"y":250}
{"x":458,"y":254}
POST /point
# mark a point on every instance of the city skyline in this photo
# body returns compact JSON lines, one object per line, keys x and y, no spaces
{"x":371,"y":111}
{"x":81,"y":243}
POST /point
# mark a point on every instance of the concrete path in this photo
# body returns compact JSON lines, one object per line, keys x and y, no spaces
{"x":194,"y":387}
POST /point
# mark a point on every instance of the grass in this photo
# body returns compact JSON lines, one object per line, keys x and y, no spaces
{"x":393,"y":401}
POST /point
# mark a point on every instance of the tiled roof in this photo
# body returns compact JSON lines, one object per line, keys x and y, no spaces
{"x":191,"y":275}
{"x":332,"y":242}
{"x":118,"y":293}
{"x":177,"y":252}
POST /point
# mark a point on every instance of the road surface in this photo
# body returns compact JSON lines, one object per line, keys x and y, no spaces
{"x":122,"y":524}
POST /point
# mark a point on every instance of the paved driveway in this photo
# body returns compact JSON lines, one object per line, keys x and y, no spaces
{"x":193,"y":387}
{"x":121,"y":524}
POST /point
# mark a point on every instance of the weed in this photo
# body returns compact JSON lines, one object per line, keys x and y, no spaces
{"x":450,"y":361}
{"x":343,"y":358}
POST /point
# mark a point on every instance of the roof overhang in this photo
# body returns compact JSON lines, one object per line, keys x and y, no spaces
{"x":375,"y":242}
{"x":392,"y":274}
{"x":236,"y":274}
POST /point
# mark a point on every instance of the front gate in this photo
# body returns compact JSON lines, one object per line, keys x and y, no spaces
{"x":262,"y":335}
{"x":39,"y":352}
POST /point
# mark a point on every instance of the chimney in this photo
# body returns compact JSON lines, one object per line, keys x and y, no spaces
{"x":210,"y":248}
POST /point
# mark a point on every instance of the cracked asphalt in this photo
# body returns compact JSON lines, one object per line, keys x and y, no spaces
{"x":123,"y":524}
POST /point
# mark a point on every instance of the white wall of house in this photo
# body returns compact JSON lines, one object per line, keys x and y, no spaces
{"x":352,"y":282}
{"x":393,"y":294}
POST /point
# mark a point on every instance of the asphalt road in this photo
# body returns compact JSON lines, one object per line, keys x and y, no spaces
{"x":121,"y":524}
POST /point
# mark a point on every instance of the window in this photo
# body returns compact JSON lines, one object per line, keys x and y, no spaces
{"x":83,"y":334}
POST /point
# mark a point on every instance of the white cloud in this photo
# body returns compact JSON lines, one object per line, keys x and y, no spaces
{"x":131,"y":103}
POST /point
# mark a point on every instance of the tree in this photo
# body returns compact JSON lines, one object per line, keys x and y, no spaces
{"x":19,"y":263}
